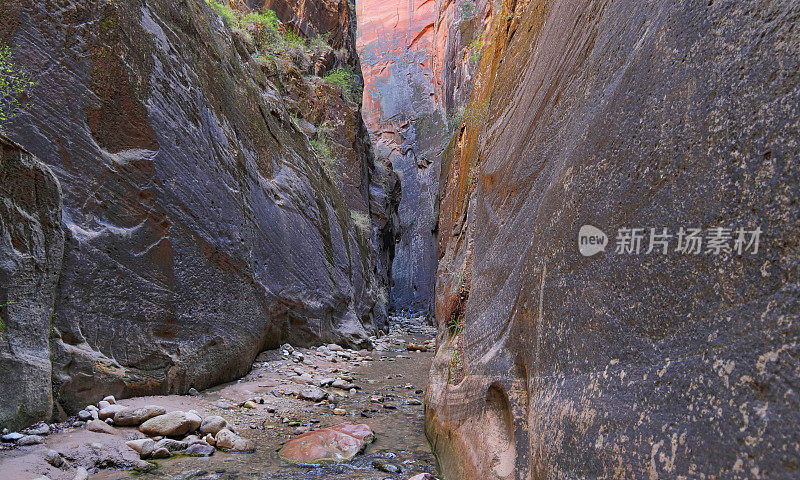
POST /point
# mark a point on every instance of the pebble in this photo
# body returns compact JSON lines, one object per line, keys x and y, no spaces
{"x":339,"y":411}
{"x":386,"y":466}
{"x":84,"y":415}
{"x":110,"y":399}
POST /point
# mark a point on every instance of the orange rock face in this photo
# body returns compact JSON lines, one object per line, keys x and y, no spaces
{"x":395,"y":43}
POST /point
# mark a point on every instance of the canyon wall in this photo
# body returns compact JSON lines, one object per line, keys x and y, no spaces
{"x":31,"y":248}
{"x":395,"y":42}
{"x":217,"y":200}
{"x":662,"y":364}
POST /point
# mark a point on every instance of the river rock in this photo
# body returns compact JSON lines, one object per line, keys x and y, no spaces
{"x":12,"y":437}
{"x":30,"y":440}
{"x":110,"y":399}
{"x":133,"y":417}
{"x":40,"y":429}
{"x":171,"y":424}
{"x":160,"y":453}
{"x":312,"y":393}
{"x":100,"y":426}
{"x":143,"y":446}
{"x":213,"y":424}
{"x":171,"y":445}
{"x":84,"y":415}
{"x":111,"y":411}
{"x":227,"y":440}
{"x":195,"y":420}
{"x":385,"y":466}
{"x":81,"y":474}
{"x":200,"y":449}
{"x":327,"y":445}
{"x":422,"y":476}
{"x":53,"y":458}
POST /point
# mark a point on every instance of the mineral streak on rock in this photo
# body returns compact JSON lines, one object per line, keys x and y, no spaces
{"x":395,"y":42}
{"x":621,"y":114}
{"x":201,"y":227}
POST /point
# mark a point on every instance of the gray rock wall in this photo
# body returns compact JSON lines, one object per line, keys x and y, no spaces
{"x":31,"y":248}
{"x":200,"y":225}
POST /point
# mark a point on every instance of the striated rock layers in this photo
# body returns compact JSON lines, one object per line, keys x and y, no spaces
{"x":31,"y":248}
{"x":621,"y":365}
{"x":395,"y":42}
{"x":217,"y":200}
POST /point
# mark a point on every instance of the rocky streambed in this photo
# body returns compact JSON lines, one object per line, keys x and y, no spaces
{"x":257,"y":427}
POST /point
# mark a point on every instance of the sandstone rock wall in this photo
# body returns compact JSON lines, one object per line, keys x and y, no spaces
{"x":622,"y":114}
{"x":201,"y":225}
{"x":31,"y":248}
{"x":395,"y":42}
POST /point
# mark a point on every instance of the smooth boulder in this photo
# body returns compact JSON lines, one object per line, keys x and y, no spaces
{"x":328,"y":445}
{"x":144,"y":446}
{"x":133,"y":417}
{"x":100,"y":426}
{"x":227,"y":440}
{"x":213,"y":424}
{"x":172,"y":424}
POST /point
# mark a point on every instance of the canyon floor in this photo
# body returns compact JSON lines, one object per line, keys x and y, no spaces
{"x":390,"y":386}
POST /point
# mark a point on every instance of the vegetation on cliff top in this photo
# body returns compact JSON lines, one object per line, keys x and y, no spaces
{"x":15,"y":86}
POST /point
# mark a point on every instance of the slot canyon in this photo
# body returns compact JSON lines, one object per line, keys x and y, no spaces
{"x":415,"y":240}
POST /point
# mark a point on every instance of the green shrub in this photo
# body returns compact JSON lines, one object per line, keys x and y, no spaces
{"x":322,"y":147}
{"x":346,"y":80}
{"x":15,"y":85}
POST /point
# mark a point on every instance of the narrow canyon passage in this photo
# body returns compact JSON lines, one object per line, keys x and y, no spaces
{"x":400,"y":240}
{"x":279,"y":399}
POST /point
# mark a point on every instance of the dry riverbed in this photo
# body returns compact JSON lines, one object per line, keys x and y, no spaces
{"x":383,"y":388}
